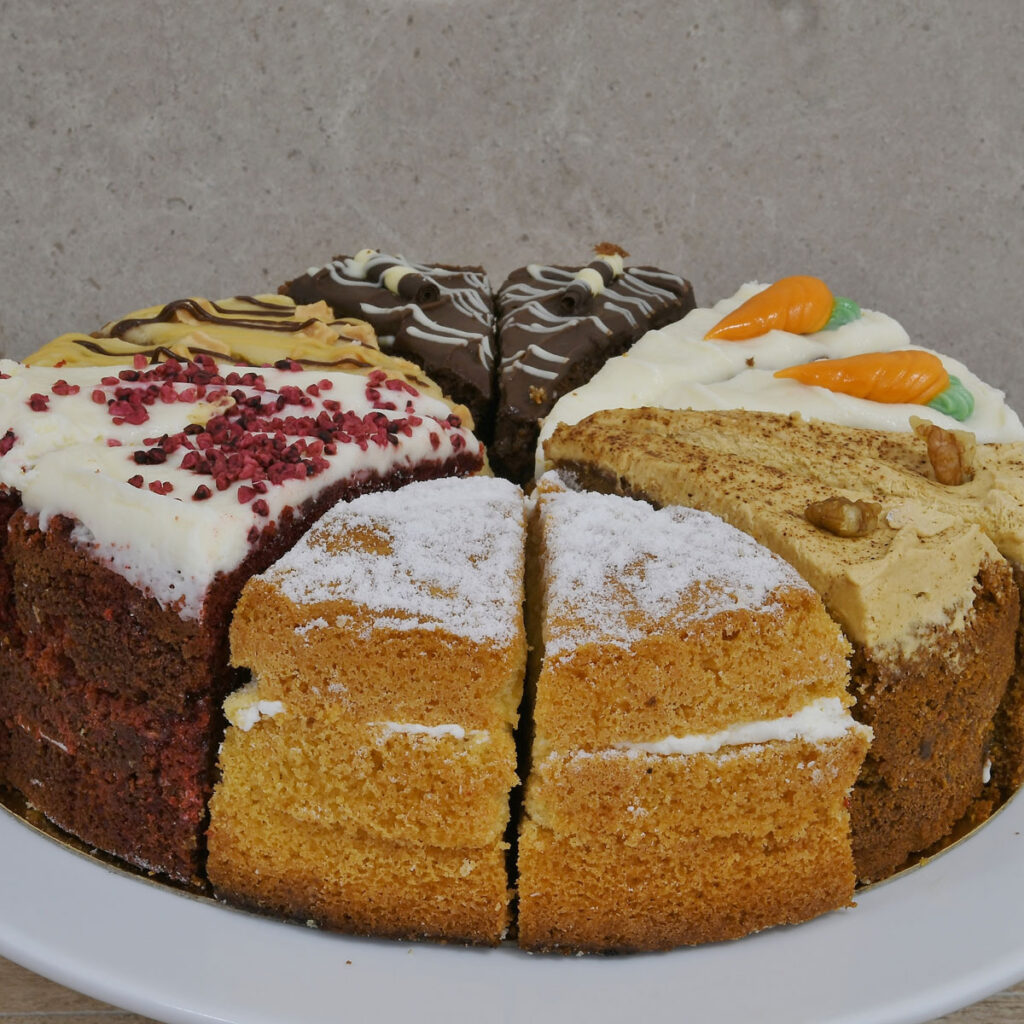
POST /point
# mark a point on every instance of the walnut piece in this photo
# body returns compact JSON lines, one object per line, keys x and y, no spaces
{"x":538,"y":395}
{"x":843,"y":517}
{"x":950,"y":452}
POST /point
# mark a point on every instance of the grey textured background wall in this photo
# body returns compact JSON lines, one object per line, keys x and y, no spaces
{"x":149,"y":151}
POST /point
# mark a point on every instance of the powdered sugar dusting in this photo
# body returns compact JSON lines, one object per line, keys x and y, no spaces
{"x":444,"y":554}
{"x":615,"y":566}
{"x":317,"y":623}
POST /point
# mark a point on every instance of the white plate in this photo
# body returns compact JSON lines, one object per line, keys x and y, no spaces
{"x":936,"y":938}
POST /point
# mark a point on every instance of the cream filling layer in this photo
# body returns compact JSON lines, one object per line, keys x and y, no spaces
{"x":820,"y":721}
{"x":244,"y":708}
{"x":435,"y":732}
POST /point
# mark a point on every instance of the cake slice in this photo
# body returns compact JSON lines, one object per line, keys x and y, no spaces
{"x":675,"y":795}
{"x":260,"y":330}
{"x":682,"y":367}
{"x":904,"y":563}
{"x":137,"y":501}
{"x":439,"y":316}
{"x":365,"y":777}
{"x":557,"y":327}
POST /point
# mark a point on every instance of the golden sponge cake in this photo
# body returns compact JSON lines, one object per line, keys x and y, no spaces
{"x":367,"y":770}
{"x":675,"y":795}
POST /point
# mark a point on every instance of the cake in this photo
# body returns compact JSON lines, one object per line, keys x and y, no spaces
{"x":557,"y":326}
{"x":679,"y":367}
{"x":674,"y":794}
{"x":440,"y":317}
{"x":137,"y":503}
{"x":153,"y":491}
{"x":920,"y":575}
{"x":366,"y":772}
{"x":259,"y":330}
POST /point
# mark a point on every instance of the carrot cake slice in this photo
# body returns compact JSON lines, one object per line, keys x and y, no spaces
{"x":694,"y":363}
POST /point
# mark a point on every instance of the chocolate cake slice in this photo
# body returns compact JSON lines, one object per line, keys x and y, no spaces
{"x":557,"y":326}
{"x":440,"y":317}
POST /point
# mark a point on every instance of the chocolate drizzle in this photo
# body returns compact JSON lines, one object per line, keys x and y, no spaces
{"x":220,"y":315}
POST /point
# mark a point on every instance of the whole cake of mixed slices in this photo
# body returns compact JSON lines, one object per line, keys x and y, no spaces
{"x":268,"y":625}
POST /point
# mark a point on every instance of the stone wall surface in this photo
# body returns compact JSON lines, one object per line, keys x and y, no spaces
{"x":153,"y":150}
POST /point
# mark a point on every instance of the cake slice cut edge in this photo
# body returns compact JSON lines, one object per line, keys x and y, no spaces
{"x":372,"y":786}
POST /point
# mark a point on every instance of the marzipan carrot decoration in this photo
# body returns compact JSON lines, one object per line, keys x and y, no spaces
{"x":904,"y":376}
{"x":800,"y":305}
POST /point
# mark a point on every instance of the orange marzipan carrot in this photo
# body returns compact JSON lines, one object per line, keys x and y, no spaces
{"x":907,"y":375}
{"x":800,"y":304}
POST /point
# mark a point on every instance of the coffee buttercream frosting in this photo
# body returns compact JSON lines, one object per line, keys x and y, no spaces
{"x":889,"y":588}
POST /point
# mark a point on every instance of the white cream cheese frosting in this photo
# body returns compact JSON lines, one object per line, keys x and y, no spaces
{"x":676,"y":368}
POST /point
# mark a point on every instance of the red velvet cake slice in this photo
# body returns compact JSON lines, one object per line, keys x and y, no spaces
{"x":138,"y":504}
